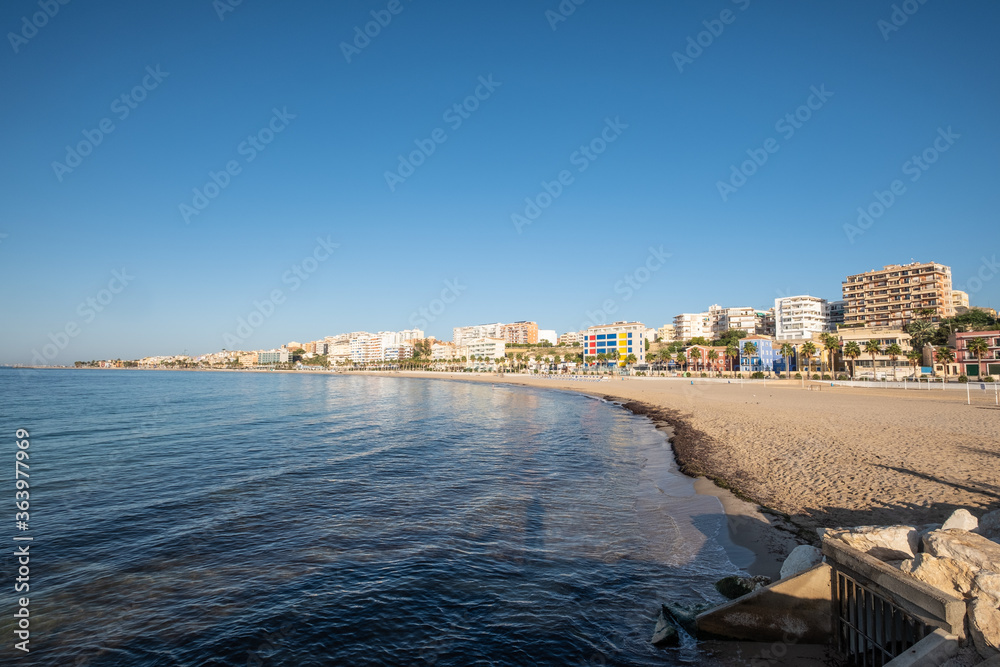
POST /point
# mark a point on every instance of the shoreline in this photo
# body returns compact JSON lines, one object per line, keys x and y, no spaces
{"x":785,"y":461}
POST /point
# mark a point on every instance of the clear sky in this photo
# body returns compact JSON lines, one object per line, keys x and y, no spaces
{"x":310,"y":117}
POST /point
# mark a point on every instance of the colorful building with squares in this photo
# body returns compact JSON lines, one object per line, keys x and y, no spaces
{"x":616,"y":340}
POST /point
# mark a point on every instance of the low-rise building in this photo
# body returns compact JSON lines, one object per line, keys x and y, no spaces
{"x":766,"y":358}
{"x":882,"y":365}
{"x":975,"y":365}
{"x":248,"y":359}
{"x":487,"y":348}
{"x":269,"y":357}
{"x":699,"y":358}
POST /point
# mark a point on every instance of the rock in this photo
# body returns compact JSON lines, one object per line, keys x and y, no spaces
{"x":989,"y":526}
{"x":984,"y":626}
{"x":685,"y":617}
{"x":973,"y":549}
{"x":882,"y":542}
{"x":987,"y":584}
{"x":951,"y":576}
{"x":801,"y":559}
{"x":961,"y":520}
{"x":734,"y":587}
{"x":665,"y":634}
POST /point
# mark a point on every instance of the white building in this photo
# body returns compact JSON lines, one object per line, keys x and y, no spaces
{"x":743,"y":319}
{"x":616,"y":340}
{"x":666,"y":333}
{"x":799,"y":317}
{"x":367,"y":349}
{"x":571,"y":338}
{"x":488,"y":348}
{"x":690,"y":325}
{"x":273,"y":357}
{"x":462,"y":335}
{"x":398,"y":352}
{"x":443,"y":351}
{"x":549,"y":335}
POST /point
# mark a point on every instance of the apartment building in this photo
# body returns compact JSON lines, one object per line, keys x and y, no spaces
{"x":766,"y":357}
{"x":691,"y":325}
{"x":487,"y":348}
{"x":273,"y":357}
{"x":969,"y":364}
{"x":800,"y":317}
{"x":367,"y":349}
{"x":571,"y":338}
{"x":520,"y":333}
{"x":896,"y":294}
{"x":619,"y":339}
{"x":765,"y":323}
{"x":398,"y":352}
{"x":462,"y":335}
{"x":248,"y":359}
{"x":959,"y":299}
{"x":742,"y":319}
{"x":882,"y":366}
{"x":667,"y":333}
{"x":698,"y":358}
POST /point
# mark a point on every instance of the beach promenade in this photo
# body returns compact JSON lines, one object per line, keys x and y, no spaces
{"x":836,"y":457}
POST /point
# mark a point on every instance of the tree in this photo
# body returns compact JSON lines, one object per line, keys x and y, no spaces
{"x":944,"y":356}
{"x":978,"y":347}
{"x":808,"y":349}
{"x":788,"y":353}
{"x":915,"y":357}
{"x":750,"y":350}
{"x":681,"y":359}
{"x":872,"y":348}
{"x":852,"y":351}
{"x":631,"y":359}
{"x":732,"y":336}
{"x":831,"y":345}
{"x":732,"y":353}
{"x":699,"y":340}
{"x":921,"y":332}
{"x":894,"y":351}
{"x":713,"y":357}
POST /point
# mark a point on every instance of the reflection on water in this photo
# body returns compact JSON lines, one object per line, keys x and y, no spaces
{"x":231,"y":519}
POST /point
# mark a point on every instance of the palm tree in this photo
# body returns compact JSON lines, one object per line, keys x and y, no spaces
{"x":915,"y":357}
{"x":944,"y":356}
{"x":631,"y":359}
{"x":921,"y":332}
{"x":713,"y":357}
{"x":681,"y":359}
{"x":732,"y":352}
{"x":787,"y":352}
{"x":808,"y":349}
{"x":750,"y":350}
{"x":894,"y":351}
{"x":872,"y":348}
{"x":852,"y":351}
{"x":831,"y":345}
{"x":978,"y":347}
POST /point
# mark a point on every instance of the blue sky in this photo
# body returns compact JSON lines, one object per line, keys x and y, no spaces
{"x":677,"y":131}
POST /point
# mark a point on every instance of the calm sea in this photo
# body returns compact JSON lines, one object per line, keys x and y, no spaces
{"x":290,"y":519}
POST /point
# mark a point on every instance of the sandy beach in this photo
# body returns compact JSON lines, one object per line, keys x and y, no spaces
{"x":838,"y":456}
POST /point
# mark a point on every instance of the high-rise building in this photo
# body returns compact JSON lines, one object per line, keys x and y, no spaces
{"x":897,"y":294}
{"x":520,"y":333}
{"x":616,"y":340}
{"x":799,"y":317}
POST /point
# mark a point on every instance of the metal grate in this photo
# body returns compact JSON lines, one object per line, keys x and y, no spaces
{"x":871,"y":630}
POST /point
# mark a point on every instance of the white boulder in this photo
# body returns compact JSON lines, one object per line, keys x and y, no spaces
{"x":987,"y":584}
{"x":882,"y":542}
{"x":984,"y":626}
{"x":989,"y":526}
{"x":961,"y":520}
{"x":801,"y":559}
{"x":946,"y":574}
{"x":975,"y":550}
